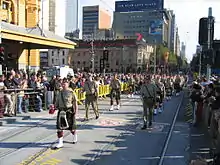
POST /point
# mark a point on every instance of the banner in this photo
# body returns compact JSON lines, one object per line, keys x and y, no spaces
{"x":156,"y":27}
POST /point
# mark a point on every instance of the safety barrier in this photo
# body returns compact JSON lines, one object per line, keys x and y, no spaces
{"x":104,"y":90}
{"x":29,"y":99}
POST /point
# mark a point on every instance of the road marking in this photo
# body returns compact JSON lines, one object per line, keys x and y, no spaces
{"x":166,"y":157}
{"x":44,"y":159}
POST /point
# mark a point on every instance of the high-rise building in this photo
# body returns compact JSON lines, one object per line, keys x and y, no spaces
{"x":94,"y":18}
{"x":60,"y":22}
{"x":72,"y":10}
{"x":177,"y":44}
{"x":183,"y":50}
{"x":140,"y":16}
{"x":172,"y":32}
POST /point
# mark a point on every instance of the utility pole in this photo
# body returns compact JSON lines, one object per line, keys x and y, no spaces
{"x":210,"y":21}
{"x":155,"y":58}
{"x":200,"y":63}
{"x":93,"y":56}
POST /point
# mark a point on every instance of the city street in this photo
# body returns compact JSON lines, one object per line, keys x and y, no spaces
{"x":114,"y":139}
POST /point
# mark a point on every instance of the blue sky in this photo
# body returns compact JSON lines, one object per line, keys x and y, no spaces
{"x":188,"y":13}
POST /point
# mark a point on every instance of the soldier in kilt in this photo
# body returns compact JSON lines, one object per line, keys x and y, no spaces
{"x":66,"y":104}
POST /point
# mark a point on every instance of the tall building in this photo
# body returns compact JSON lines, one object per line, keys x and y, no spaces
{"x":172,"y":32}
{"x":177,"y":45}
{"x":140,"y":16}
{"x":72,"y":10}
{"x":94,"y":18}
{"x":183,"y":50}
{"x":61,"y":23}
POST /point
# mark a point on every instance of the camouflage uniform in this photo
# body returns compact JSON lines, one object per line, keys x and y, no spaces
{"x":148,"y":93}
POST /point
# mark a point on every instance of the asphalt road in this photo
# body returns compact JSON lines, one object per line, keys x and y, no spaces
{"x":114,"y":139}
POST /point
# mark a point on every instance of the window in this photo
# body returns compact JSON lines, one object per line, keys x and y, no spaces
{"x":78,"y":62}
{"x":116,"y":63}
{"x":52,"y":53}
{"x":63,"y":53}
{"x":84,"y":63}
{"x":4,"y":5}
{"x":139,"y":61}
{"x":63,"y":61}
{"x":52,"y":61}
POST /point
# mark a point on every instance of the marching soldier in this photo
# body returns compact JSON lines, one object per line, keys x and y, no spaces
{"x":91,"y":90}
{"x":67,"y":107}
{"x":160,"y":91}
{"x":115,"y":86}
{"x":148,"y":93}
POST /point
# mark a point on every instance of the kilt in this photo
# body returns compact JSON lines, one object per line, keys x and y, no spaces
{"x":71,"y":119}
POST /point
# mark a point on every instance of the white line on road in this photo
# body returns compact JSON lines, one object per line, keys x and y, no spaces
{"x":158,"y":157}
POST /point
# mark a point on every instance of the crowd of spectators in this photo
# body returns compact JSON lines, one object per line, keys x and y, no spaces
{"x":20,"y":93}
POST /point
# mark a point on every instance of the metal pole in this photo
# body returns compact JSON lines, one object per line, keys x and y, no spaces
{"x":155,"y":59}
{"x":42,"y":17}
{"x":93,"y":56}
{"x":210,"y":19}
{"x":200,"y":63}
{"x":77,"y":15}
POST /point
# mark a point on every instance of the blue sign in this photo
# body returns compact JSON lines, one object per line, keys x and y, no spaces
{"x":138,"y":5}
{"x":216,"y":71}
{"x":156,"y":27}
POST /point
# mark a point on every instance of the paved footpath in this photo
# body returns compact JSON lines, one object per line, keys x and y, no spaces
{"x":114,"y":139}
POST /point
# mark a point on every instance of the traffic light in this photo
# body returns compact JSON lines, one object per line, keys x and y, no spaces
{"x":2,"y":55}
{"x":105,"y":55}
{"x":203,"y":30}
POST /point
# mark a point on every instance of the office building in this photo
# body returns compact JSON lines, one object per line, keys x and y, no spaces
{"x":145,"y":17}
{"x":172,"y":40}
{"x":126,"y":55}
{"x":61,"y":23}
{"x":183,"y":50}
{"x":177,"y":44}
{"x":94,"y":18}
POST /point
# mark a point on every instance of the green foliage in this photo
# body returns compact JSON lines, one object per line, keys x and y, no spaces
{"x":172,"y":57}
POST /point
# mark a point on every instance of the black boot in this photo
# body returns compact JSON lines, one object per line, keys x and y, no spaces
{"x":144,"y":127}
{"x":150,"y":124}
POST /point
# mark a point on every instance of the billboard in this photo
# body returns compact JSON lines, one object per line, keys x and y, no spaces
{"x":156,"y":27}
{"x":138,"y":5}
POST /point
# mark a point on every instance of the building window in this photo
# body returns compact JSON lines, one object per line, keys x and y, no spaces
{"x":139,"y":61}
{"x":78,"y":54}
{"x":52,"y":61}
{"x":5,"y":6}
{"x":84,"y":63}
{"x":63,"y":53}
{"x":78,"y":62}
{"x":52,"y":53}
{"x":116,"y":63}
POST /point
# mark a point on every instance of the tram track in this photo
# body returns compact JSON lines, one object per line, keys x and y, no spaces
{"x":132,"y":128}
{"x":44,"y":150}
{"x":37,"y":140}
{"x":170,"y":132}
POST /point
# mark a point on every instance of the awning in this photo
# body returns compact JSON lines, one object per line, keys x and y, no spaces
{"x":34,"y":38}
